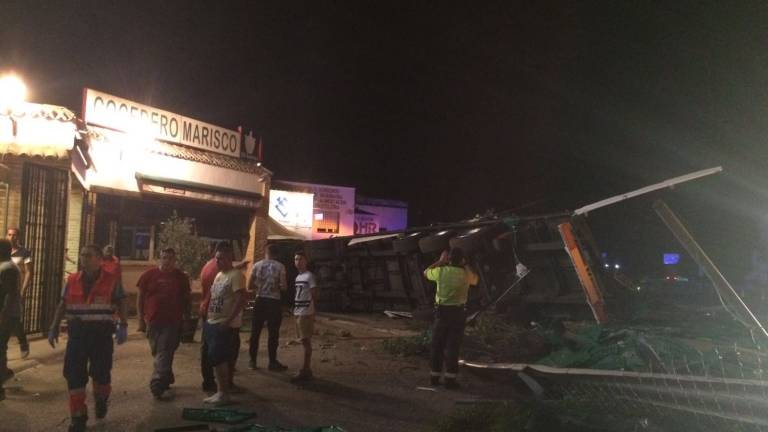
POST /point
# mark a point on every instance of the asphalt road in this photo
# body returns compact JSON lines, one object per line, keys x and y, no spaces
{"x":358,"y":386}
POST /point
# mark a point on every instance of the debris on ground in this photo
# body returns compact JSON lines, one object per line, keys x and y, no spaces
{"x":398,"y":314}
{"x":217,"y":415}
{"x":260,"y":428}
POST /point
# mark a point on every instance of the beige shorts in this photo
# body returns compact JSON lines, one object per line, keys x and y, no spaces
{"x":305,"y":326}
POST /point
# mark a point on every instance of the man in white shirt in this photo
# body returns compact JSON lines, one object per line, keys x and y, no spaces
{"x":267,"y":280}
{"x":304,"y":312}
{"x":224,"y":322}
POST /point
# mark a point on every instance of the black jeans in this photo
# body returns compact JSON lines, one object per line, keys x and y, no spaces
{"x":447,"y":333}
{"x":17,"y":329}
{"x":5,"y":334}
{"x":269,"y":310}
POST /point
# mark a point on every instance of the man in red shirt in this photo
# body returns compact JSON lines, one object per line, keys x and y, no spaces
{"x":162,"y":304}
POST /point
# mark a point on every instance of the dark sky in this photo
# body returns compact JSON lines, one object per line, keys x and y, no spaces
{"x":534,"y":105}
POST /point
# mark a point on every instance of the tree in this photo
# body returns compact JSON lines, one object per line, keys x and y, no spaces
{"x":191,"y":251}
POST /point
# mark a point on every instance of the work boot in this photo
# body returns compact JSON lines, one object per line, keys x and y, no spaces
{"x":452,"y":384}
{"x":102,"y":406}
{"x":276,"y":366}
{"x":78,"y":424}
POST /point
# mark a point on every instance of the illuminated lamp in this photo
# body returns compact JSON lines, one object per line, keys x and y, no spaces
{"x":13,"y":91}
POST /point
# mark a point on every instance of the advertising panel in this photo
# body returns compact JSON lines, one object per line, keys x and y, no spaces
{"x":291,"y":209}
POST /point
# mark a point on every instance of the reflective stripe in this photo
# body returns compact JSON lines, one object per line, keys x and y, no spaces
{"x":93,"y":317}
{"x":450,"y":375}
{"x":85,"y":306}
{"x":433,"y":373}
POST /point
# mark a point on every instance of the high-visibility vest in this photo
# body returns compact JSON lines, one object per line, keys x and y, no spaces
{"x":97,"y":306}
{"x":112,"y":266}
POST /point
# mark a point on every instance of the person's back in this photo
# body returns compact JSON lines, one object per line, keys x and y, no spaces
{"x":268,"y":278}
{"x":8,"y":272}
{"x":268,"y":281}
{"x":452,"y":283}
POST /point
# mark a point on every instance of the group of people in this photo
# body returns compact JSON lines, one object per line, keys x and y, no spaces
{"x":94,"y":295}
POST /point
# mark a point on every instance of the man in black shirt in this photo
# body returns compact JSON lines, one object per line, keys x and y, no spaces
{"x":9,"y":292}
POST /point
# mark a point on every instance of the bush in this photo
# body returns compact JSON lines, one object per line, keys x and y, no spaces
{"x":191,"y":251}
{"x":409,"y":345}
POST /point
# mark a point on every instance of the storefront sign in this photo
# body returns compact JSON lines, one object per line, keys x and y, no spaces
{"x":334,"y":208}
{"x":291,"y":209}
{"x":120,"y":114}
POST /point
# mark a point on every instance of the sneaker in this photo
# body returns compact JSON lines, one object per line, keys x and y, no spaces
{"x":102,"y":406}
{"x":452,"y":384}
{"x":304,"y":375}
{"x":210,"y":387}
{"x":434,"y":380}
{"x":218,"y":399}
{"x":252,"y":365}
{"x":78,"y":424}
{"x":276,"y":366}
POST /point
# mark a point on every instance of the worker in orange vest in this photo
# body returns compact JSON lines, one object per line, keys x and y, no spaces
{"x":89,"y":300}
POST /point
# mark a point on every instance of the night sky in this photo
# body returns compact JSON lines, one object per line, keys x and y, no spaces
{"x":532,"y":106}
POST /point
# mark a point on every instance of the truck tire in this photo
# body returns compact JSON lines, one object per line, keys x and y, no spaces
{"x":407,"y":244}
{"x":475,"y":238}
{"x":437,"y":242}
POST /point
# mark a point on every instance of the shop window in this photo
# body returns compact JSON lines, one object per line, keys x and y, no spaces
{"x":327,"y":222}
{"x":134,"y":243}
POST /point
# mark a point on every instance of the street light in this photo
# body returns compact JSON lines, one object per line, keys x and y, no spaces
{"x":13,"y":91}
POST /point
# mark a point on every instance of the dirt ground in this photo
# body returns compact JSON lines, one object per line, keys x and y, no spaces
{"x":358,"y":385}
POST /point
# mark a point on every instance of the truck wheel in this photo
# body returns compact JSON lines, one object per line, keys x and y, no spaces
{"x":437,"y":242}
{"x":474,"y":239}
{"x":407,"y":244}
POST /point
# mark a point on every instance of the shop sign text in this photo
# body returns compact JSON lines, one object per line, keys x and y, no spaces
{"x":120,"y":114}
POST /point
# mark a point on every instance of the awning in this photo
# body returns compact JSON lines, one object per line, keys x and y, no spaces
{"x":197,"y":191}
{"x":276,"y":231}
{"x":37,"y":130}
{"x":359,"y":240}
{"x":126,"y":163}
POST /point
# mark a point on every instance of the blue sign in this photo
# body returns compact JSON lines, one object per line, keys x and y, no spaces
{"x":671,"y":258}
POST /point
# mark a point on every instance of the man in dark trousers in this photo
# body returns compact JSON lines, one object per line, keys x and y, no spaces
{"x":9,"y":293}
{"x":89,"y":299}
{"x":453,"y":279}
{"x":207,"y":276}
{"x":22,"y":257}
{"x":268,"y":281}
{"x":162,"y":304}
